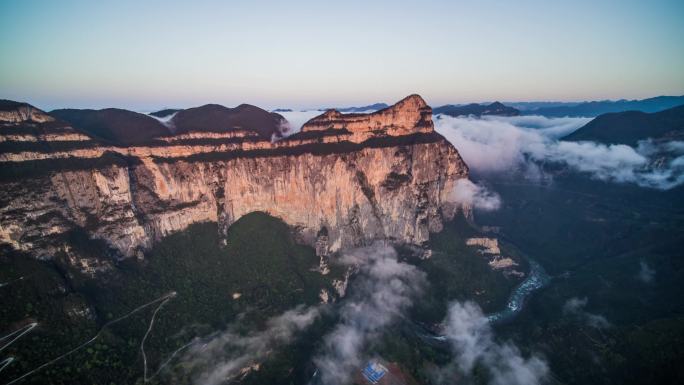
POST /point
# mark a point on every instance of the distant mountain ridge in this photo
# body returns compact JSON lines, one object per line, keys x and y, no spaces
{"x":630,"y":127}
{"x":370,"y":107}
{"x":476,"y":109}
{"x":124,"y":127}
{"x":215,"y":117}
{"x":595,"y":108}
{"x":113,"y":124}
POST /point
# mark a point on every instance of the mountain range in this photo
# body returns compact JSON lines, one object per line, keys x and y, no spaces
{"x":475,"y":109}
{"x":550,"y":109}
{"x":123,"y":127}
{"x":630,"y":127}
{"x":370,"y":107}
{"x":595,"y":108}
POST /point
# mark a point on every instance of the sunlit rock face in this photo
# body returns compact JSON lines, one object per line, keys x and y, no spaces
{"x":14,"y":112}
{"x":362,"y":177}
{"x":410,"y":115}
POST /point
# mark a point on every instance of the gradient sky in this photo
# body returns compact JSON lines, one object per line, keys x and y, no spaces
{"x":148,"y":54}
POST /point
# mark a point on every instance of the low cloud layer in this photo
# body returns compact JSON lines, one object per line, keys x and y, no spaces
{"x":296,"y":119}
{"x":475,"y":196}
{"x":228,"y":354}
{"x":575,"y":307}
{"x":472,"y":341}
{"x":382,"y":291}
{"x":505,"y":144}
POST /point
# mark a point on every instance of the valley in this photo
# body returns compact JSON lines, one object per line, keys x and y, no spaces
{"x":212,"y":257}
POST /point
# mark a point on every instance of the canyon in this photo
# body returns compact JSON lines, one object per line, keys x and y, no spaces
{"x":343,"y":181}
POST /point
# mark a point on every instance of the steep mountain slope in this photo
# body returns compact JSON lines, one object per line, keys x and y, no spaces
{"x":113,"y":125}
{"x":632,"y":126}
{"x":361,"y":177}
{"x":475,"y":109}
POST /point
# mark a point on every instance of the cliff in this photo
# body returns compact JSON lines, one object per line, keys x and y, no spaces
{"x":409,"y":115}
{"x":353,"y":177}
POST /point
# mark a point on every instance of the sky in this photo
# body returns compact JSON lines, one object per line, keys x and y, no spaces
{"x":145,"y":55}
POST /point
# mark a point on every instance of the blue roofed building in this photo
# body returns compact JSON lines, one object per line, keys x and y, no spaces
{"x":374,"y":371}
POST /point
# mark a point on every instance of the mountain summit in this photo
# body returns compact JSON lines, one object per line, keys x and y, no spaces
{"x":409,"y":115}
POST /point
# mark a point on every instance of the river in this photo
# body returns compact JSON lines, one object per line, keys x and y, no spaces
{"x":536,"y":279}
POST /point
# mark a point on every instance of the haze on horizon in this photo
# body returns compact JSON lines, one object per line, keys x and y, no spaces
{"x":302,"y":54}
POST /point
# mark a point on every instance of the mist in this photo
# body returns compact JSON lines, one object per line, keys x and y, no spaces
{"x":296,"y":119}
{"x":475,"y":196}
{"x":227,"y":354}
{"x":382,"y":291}
{"x":521,"y":144}
{"x":646,"y":273}
{"x":574,"y":307}
{"x":472,"y":342}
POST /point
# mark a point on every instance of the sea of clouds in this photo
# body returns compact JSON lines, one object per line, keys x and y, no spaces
{"x":494,"y":144}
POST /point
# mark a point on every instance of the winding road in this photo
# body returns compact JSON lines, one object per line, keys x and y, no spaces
{"x":165,"y":297}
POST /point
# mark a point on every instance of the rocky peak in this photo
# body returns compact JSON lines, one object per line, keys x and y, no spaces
{"x":409,"y":115}
{"x":17,"y":112}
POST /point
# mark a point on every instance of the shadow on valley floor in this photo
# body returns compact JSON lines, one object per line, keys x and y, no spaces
{"x":614,"y":312}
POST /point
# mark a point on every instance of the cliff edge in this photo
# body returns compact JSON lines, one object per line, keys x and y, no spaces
{"x":359,"y":177}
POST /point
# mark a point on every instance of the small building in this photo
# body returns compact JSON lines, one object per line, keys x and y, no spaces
{"x":374,"y":371}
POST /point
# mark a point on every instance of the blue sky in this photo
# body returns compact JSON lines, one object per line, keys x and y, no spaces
{"x":148,"y":54}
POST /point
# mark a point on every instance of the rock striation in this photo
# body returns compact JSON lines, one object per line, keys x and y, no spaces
{"x":353,"y":177}
{"x":409,"y":115}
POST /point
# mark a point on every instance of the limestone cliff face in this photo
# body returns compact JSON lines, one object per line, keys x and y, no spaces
{"x":410,"y":115}
{"x":363,"y":177}
{"x":13,"y":112}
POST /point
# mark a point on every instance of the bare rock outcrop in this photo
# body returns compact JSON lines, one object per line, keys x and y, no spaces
{"x":15,"y":112}
{"x":409,"y":115}
{"x":361,"y":177}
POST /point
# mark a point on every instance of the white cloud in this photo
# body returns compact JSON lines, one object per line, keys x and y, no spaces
{"x":575,"y":307}
{"x":296,"y":119}
{"x":224,"y":355}
{"x":475,"y":196}
{"x":472,"y":341}
{"x":505,"y":144}
{"x":383,"y":289}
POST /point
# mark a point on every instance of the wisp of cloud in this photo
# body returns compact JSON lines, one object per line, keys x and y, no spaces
{"x":475,"y":196}
{"x":227,"y":354}
{"x":472,"y":342}
{"x":383,"y":289}
{"x":575,"y":307}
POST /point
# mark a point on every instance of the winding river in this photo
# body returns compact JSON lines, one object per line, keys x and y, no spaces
{"x":536,"y":279}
